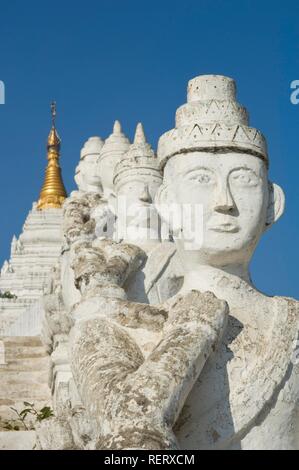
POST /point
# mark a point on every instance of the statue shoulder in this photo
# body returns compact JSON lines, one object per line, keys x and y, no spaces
{"x":288,"y":312}
{"x":164,"y":270}
{"x":160,"y":257}
{"x":290,"y":301}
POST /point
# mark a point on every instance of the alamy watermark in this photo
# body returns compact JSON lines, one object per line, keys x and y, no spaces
{"x":147,"y":223}
{"x":2,"y":92}
{"x":295,"y":94}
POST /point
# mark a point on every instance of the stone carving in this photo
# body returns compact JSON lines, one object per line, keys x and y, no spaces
{"x":137,"y":178}
{"x":248,"y":391}
{"x":116,"y":145}
{"x":86,"y":175}
{"x":169,"y":343}
{"x":145,"y":358}
{"x":85,"y":215}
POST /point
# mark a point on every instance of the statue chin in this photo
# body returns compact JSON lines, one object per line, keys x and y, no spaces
{"x":210,"y":252}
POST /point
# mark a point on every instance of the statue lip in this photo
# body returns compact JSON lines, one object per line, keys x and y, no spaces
{"x":226,"y":227}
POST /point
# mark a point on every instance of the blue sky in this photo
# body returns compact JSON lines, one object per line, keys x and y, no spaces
{"x":131,"y":60}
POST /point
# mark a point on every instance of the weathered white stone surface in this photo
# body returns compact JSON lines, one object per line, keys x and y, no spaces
{"x":18,"y":440}
{"x":24,"y":376}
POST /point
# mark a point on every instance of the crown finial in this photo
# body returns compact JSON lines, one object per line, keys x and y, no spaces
{"x":117,"y":127}
{"x":139,"y":134}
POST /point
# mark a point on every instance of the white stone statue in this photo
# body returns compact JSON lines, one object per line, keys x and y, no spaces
{"x":86,"y":176}
{"x":116,"y":145}
{"x":78,"y":222}
{"x":214,"y":366}
{"x":145,"y":359}
{"x":247,"y":394}
{"x":137,"y":178}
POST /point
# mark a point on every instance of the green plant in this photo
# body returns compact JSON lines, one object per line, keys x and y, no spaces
{"x":7,"y":295}
{"x":20,"y":423}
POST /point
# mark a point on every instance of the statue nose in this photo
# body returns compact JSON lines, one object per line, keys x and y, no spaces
{"x":224,"y":201}
{"x":145,"y":195}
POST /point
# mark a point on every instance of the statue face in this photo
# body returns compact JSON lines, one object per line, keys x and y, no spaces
{"x":232,"y":191}
{"x":140,"y":191}
{"x":105,"y":168}
{"x":88,"y":169}
{"x":137,"y":195}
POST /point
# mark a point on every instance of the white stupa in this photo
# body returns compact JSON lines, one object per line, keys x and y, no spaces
{"x":33,"y":254}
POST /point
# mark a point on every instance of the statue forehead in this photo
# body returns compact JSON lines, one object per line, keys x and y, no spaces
{"x":138,"y":179}
{"x":89,"y":159}
{"x":220,"y":162}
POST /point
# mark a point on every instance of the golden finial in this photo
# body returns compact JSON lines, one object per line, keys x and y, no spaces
{"x":53,"y":112}
{"x":53,"y":192}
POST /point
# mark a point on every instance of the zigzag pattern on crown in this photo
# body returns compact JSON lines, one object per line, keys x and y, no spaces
{"x":200,"y":112}
{"x":211,"y":136}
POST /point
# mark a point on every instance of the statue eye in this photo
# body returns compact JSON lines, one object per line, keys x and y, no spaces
{"x":202,"y":178}
{"x":244,"y":178}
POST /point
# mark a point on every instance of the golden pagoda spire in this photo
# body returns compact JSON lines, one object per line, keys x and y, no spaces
{"x":53,"y":192}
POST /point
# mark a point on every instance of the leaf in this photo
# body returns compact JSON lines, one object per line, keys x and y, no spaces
{"x":13,"y":409}
{"x":26,"y":411}
{"x":26,"y":403}
{"x":9,"y":427}
{"x":45,"y":413}
{"x":16,"y":411}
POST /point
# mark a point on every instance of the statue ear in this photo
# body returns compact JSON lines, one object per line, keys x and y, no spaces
{"x":162,"y":195}
{"x":112,"y":202}
{"x":168,"y":210}
{"x":79,"y":180}
{"x":276,"y":204}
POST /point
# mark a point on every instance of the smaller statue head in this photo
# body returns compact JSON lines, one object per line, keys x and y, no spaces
{"x":115,"y":146}
{"x":87,"y":177}
{"x":216,"y":170}
{"x":136,"y":181}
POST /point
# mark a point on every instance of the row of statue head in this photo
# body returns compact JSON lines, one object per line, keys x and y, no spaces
{"x":212,"y":158}
{"x":105,"y":167}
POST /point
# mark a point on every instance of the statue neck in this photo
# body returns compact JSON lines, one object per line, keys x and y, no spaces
{"x":231,"y":283}
{"x":145,"y":245}
{"x":90,"y":188}
{"x":207,"y":273}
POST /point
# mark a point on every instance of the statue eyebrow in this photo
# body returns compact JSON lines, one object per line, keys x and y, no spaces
{"x":243,"y":168}
{"x":197,"y":169}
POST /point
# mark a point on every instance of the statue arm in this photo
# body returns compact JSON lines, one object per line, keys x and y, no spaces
{"x":137,"y":400}
{"x":157,"y":390}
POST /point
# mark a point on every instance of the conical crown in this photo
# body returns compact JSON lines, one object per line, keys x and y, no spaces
{"x":116,"y":144}
{"x":140,"y":158}
{"x":211,"y":120}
